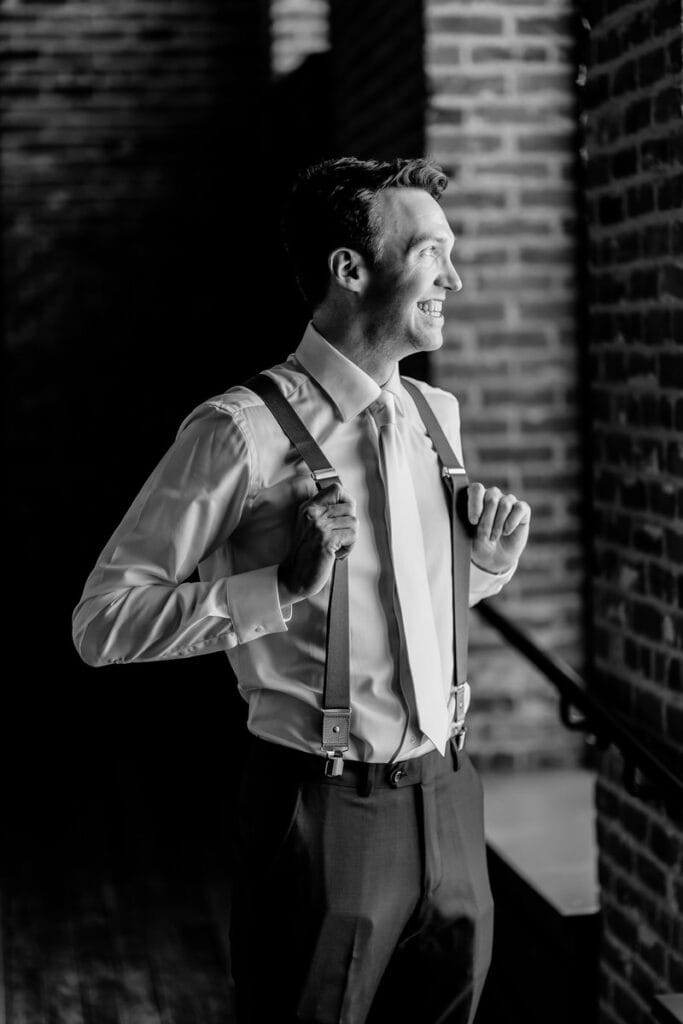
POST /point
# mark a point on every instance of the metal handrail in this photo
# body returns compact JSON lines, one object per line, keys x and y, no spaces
{"x":595,"y":718}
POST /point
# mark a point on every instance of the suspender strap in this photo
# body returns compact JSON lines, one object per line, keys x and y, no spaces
{"x":336,"y":701}
{"x":456,"y":481}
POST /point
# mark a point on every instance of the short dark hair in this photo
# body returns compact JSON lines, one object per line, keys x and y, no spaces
{"x":333,"y":204}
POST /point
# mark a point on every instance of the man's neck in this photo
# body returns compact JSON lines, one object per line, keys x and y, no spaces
{"x":371,"y":357}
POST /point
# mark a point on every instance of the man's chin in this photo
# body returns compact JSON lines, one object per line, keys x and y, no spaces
{"x":429,"y":340}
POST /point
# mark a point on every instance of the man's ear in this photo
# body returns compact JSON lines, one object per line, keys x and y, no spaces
{"x":348,"y":269}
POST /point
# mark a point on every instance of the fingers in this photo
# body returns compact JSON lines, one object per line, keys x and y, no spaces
{"x":521,"y":513}
{"x":475,"y":502}
{"x":496,"y":514}
{"x":331,"y":518}
{"x":331,"y":501}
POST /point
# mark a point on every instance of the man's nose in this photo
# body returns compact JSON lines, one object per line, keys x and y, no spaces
{"x":450,"y":278}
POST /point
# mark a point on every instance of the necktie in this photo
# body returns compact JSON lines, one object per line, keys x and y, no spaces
{"x":410,"y":574}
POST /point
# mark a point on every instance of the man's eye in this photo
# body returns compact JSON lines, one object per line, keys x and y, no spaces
{"x":429,"y":251}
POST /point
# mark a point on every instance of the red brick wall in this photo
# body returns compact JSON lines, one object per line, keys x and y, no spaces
{"x":634,"y":152}
{"x":501,"y":118}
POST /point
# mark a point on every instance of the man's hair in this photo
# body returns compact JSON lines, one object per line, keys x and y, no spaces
{"x":333,"y":204}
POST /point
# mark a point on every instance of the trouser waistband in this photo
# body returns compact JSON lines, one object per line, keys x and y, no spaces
{"x":365,"y":776}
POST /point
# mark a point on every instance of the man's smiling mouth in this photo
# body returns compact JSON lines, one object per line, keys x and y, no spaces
{"x":432,"y":307}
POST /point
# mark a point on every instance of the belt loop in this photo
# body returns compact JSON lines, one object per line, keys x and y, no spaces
{"x":366,"y":782}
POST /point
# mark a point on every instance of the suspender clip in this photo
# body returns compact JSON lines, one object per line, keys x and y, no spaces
{"x":460,"y":739}
{"x":448,"y":471}
{"x":322,"y":475}
{"x":336,"y":723}
{"x":459,"y":697}
{"x":334,"y":764}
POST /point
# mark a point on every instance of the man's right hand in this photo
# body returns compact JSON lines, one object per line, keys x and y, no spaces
{"x":326,"y":528}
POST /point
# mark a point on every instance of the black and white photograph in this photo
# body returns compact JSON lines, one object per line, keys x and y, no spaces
{"x":344,"y":396}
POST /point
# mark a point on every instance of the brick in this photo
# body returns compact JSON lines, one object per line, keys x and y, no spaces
{"x":545,"y":142}
{"x":667,"y":105}
{"x":670,"y":193}
{"x":664,"y":844}
{"x":625,"y":78}
{"x":671,"y":369}
{"x":644,"y":284}
{"x":621,"y":925}
{"x":666,"y":15}
{"x":637,"y":115}
{"x":656,"y":154}
{"x":656,"y":240}
{"x":662,"y":499}
{"x":640,"y":199}
{"x":657,"y":328}
{"x":611,"y":209}
{"x":625,"y":163}
{"x":651,"y":66}
{"x":672,"y":280}
{"x":674,"y":546}
{"x":466,"y":25}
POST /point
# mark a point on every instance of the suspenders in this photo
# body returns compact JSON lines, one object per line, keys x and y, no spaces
{"x":336,"y":702}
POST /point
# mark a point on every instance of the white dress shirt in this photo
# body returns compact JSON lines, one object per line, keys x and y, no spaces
{"x":223,"y":500}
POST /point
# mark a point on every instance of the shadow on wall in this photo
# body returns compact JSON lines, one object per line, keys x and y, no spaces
{"x":118,"y":326}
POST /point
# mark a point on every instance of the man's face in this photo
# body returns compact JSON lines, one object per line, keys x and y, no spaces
{"x":407,"y":286}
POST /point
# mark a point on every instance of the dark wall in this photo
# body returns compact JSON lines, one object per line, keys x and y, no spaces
{"x":139,"y":259}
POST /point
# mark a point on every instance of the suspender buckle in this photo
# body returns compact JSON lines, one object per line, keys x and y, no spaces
{"x":448,"y":471}
{"x":334,"y":764}
{"x":336,"y":723}
{"x":459,"y":695}
{"x":460,"y":739}
{"x":322,"y":475}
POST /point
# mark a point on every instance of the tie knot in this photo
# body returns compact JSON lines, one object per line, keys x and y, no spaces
{"x":384,"y":409}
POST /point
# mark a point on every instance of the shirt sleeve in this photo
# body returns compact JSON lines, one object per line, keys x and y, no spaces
{"x":486,"y":584}
{"x":138,"y":604}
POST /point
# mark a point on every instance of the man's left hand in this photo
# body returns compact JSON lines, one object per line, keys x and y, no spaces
{"x":502,"y":527}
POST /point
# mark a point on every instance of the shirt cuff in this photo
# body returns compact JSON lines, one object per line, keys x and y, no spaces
{"x":254,"y":604}
{"x":486,"y":584}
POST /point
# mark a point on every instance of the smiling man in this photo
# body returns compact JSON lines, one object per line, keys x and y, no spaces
{"x":361,"y":891}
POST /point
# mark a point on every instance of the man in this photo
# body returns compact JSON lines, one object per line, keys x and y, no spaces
{"x":361,"y":896}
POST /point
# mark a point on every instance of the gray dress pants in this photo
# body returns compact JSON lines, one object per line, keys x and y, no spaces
{"x":360,"y":899}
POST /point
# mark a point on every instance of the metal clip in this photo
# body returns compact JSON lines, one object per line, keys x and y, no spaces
{"x":460,"y":739}
{"x":334,"y":764}
{"x":321,"y":475}
{"x":447,"y":471}
{"x":459,"y":694}
{"x":336,"y":724}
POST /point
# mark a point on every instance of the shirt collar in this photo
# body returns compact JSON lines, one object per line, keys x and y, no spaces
{"x":351,"y":389}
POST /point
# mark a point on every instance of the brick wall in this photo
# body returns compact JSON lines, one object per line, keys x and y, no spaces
{"x":634,"y":152}
{"x":501,"y":119}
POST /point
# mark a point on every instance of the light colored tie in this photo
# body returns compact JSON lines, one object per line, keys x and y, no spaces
{"x":410,"y":573}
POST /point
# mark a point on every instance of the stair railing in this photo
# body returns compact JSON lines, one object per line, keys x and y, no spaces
{"x":645,"y":775}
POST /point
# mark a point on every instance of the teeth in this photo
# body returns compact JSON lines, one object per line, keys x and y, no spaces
{"x":431,"y":306}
